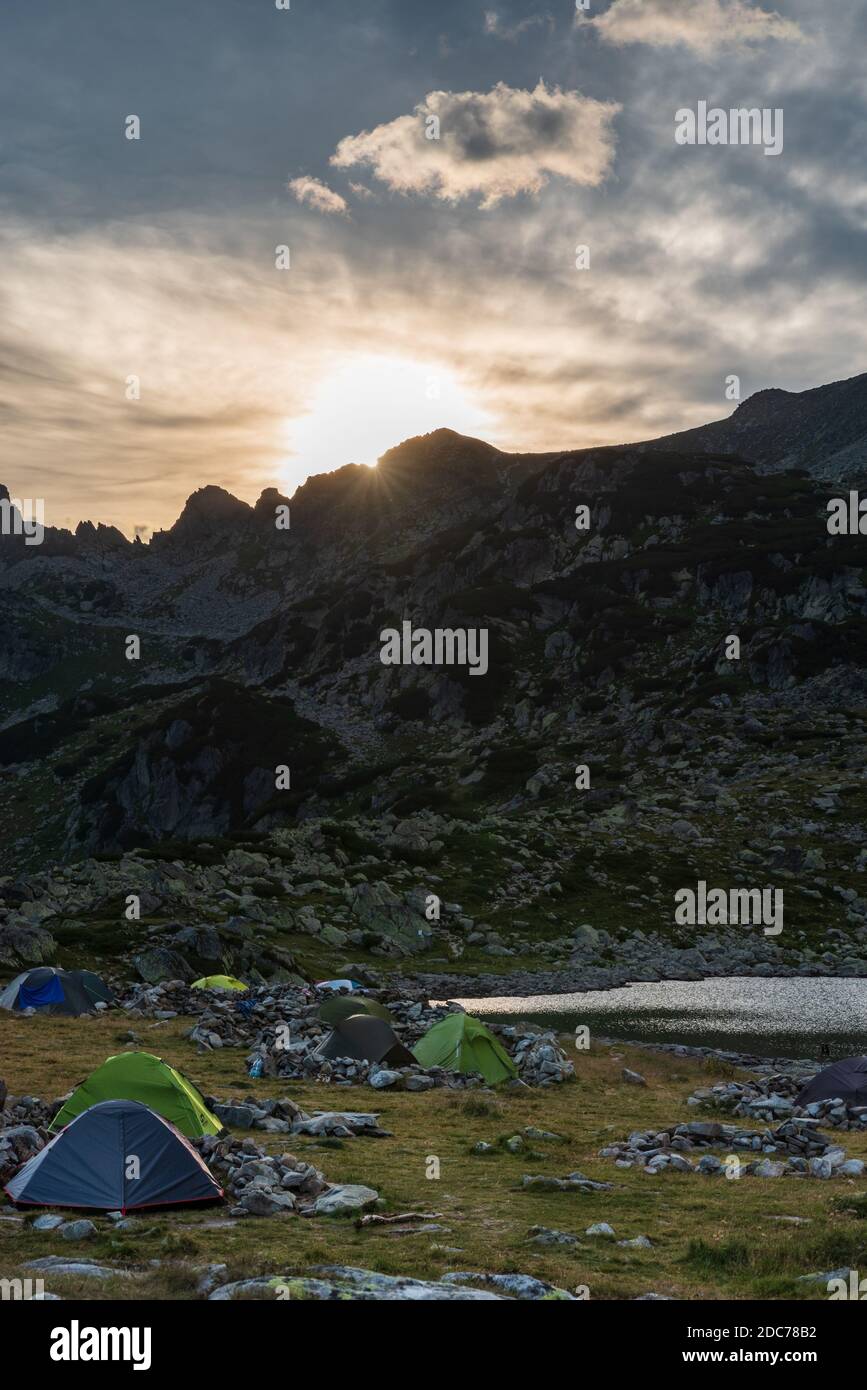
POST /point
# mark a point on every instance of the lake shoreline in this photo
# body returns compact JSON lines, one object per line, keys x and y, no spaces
{"x":784,"y":1021}
{"x":748,"y":1061}
{"x":558,"y":982}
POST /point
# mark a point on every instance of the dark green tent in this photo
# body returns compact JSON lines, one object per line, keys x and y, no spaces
{"x":462,"y":1043}
{"x":344,"y":1006}
{"x":366,"y":1039}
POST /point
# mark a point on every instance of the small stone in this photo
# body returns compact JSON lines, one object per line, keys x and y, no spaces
{"x":83,"y":1269}
{"x":767,"y":1168}
{"x":47,"y":1223}
{"x":261,"y":1203}
{"x":541,"y":1235}
{"x":820,"y":1168}
{"x":77,"y":1230}
{"x":380,"y":1080}
{"x":211,"y":1278}
{"x":709,"y":1163}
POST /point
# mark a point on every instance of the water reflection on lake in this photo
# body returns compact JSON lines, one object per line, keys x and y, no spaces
{"x":782,"y":1018}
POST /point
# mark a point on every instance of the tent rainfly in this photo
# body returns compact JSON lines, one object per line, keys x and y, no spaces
{"x":55,"y":991}
{"x":462,"y":1043}
{"x":152,"y":1082}
{"x":116,"y":1156}
{"x":845,"y":1080}
{"x":339,"y":1007}
{"x":219,"y":982}
{"x":366,"y":1039}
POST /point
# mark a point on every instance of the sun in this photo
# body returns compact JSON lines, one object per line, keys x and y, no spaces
{"x":370,"y":403}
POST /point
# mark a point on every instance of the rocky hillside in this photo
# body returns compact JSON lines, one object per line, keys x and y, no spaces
{"x":823,"y":431}
{"x":259,"y":776}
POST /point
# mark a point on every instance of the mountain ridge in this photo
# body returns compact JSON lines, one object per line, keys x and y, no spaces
{"x":150,"y":694}
{"x":825,"y":432}
{"x":822,"y":430}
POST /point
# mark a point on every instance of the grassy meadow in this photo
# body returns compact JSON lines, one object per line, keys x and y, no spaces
{"x":712,"y":1238}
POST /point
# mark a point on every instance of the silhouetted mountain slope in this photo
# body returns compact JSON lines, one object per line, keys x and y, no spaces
{"x":627,"y":616}
{"x":823,"y":430}
{"x":257,"y":648}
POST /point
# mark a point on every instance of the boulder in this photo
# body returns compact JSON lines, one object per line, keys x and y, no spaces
{"x":23,"y":944}
{"x":632,"y":1078}
{"x":259,"y":1202}
{"x":77,"y":1230}
{"x":158,"y":963}
{"x":382,"y":1079}
{"x":345,"y":1200}
{"x":378,"y":910}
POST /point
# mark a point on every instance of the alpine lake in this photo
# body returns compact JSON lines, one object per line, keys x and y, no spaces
{"x":790,"y":1017}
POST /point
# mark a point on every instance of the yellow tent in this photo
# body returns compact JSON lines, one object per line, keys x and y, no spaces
{"x":219,"y":982}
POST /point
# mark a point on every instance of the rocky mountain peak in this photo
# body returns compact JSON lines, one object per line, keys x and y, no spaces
{"x":761,"y":403}
{"x":443,"y":450}
{"x":208,"y":511}
{"x":270,"y":500}
{"x":822,"y":430}
{"x":100,"y":537}
{"x":212,"y":503}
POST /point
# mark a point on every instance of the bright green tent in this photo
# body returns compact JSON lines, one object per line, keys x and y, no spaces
{"x":148,"y":1079}
{"x":219,"y":982}
{"x":460,"y":1042}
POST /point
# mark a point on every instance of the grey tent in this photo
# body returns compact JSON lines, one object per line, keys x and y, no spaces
{"x":53,"y":991}
{"x":845,"y":1080}
{"x":366,"y":1039}
{"x":116,"y":1156}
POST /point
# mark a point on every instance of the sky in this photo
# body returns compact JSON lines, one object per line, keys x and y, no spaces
{"x":430,"y":171}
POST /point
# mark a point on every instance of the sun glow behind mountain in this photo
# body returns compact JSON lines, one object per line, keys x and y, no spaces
{"x":367,"y":405}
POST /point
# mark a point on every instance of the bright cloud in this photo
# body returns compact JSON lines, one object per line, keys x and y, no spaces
{"x":702,"y":25}
{"x":510,"y":32}
{"x":495,"y":144}
{"x":317,"y":195}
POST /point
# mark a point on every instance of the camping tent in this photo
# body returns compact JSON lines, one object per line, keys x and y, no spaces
{"x":339,"y":1007}
{"x":56,"y":991}
{"x":219,"y":982}
{"x":90,"y":1164}
{"x":337,"y":984}
{"x":368,"y":1039}
{"x":845,"y":1080}
{"x":94,"y":984}
{"x":151,"y":1081}
{"x":460,"y":1042}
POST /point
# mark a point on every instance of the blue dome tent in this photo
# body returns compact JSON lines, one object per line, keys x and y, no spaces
{"x":116,"y":1156}
{"x":51,"y":990}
